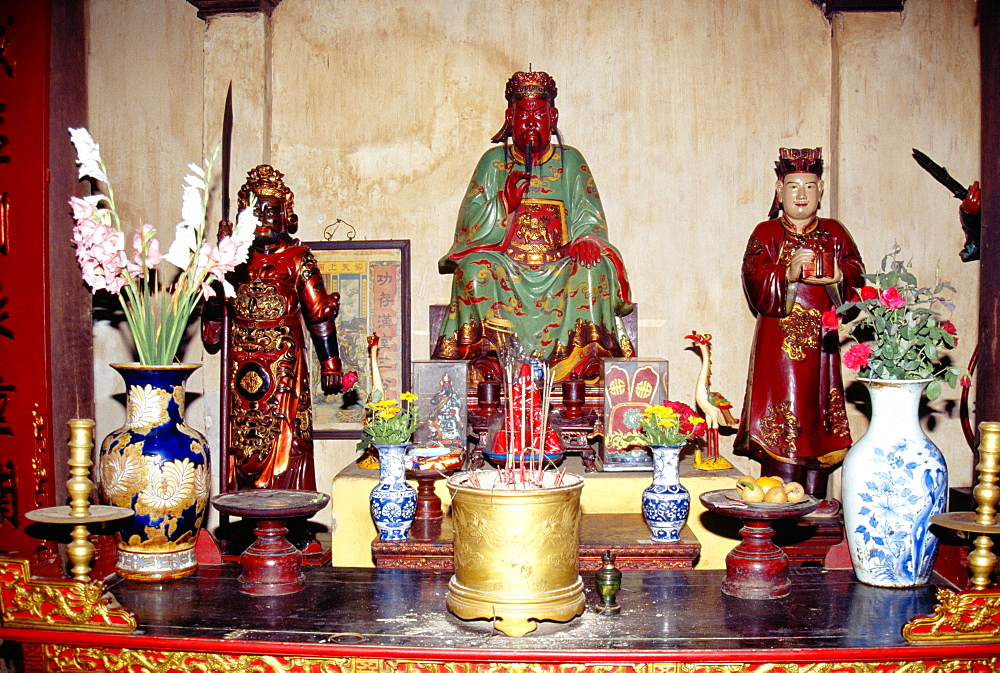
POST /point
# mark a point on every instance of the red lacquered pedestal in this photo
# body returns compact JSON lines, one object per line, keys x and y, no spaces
{"x":272,"y":566}
{"x":427,"y":520}
{"x":757,"y":568}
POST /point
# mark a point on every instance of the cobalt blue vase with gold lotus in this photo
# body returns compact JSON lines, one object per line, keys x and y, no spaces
{"x":158,"y":466}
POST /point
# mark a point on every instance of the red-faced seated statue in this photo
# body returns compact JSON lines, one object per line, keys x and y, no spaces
{"x":531,"y":246}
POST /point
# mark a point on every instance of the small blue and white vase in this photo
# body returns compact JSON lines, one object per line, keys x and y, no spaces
{"x":895,"y":480}
{"x":665,"y":502}
{"x":393,"y":501}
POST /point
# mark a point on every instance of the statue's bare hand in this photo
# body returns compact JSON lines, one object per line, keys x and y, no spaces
{"x":585,"y":251}
{"x":800,"y":258}
{"x":514,"y":189}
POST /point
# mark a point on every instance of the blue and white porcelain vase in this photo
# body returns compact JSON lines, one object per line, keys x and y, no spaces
{"x":393,"y":501}
{"x":895,"y":479}
{"x":157,"y":465}
{"x":665,"y":502}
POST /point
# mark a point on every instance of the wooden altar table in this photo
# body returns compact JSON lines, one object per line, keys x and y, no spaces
{"x":354,"y":620}
{"x":603,"y":493}
{"x":624,"y":534}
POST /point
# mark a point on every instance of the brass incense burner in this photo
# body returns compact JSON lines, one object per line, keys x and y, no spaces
{"x":516,"y":553}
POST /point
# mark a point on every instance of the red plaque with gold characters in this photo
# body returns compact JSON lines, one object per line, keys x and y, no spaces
{"x":34,"y":335}
{"x":26,"y":465}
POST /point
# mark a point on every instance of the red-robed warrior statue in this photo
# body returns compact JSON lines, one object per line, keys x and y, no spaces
{"x":531,"y":246}
{"x":797,"y":268}
{"x":270,"y":410}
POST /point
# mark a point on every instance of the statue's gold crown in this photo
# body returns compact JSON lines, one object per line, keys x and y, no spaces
{"x":266,"y":180}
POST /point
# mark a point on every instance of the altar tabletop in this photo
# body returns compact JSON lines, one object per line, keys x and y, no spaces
{"x":603,"y":493}
{"x":383,"y":614}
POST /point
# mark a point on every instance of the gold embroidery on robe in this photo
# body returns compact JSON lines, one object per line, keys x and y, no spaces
{"x":754,"y":249}
{"x":802,"y":329}
{"x":836,"y":414}
{"x":780,"y":428}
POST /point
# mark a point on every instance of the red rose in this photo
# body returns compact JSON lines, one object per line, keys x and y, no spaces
{"x":349,"y":381}
{"x":949,"y":327}
{"x":830,"y":320}
{"x":965,"y":382}
{"x":892,"y":299}
{"x":857,"y":356}
{"x":868,"y":292}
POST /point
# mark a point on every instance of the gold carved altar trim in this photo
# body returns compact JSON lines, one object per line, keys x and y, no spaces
{"x":66,"y":605}
{"x":969,"y":616}
{"x":118,"y":660}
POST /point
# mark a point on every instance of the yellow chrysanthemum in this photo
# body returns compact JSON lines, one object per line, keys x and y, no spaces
{"x":408,"y":397}
{"x":386,"y":414}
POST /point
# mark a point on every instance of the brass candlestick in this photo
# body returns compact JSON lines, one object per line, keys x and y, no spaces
{"x":80,"y":512}
{"x":984,"y":520}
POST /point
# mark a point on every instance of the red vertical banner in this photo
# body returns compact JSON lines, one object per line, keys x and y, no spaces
{"x":26,"y":457}
{"x":386,"y":305}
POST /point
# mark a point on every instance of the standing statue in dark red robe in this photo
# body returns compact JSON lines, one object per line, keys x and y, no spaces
{"x":270,"y":410}
{"x":796,"y":270}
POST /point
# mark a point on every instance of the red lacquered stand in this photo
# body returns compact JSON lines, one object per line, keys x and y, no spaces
{"x":427,"y":520}
{"x":272,"y":566}
{"x":757,"y":568}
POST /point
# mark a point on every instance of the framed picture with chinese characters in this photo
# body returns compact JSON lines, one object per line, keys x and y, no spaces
{"x":373,"y":279}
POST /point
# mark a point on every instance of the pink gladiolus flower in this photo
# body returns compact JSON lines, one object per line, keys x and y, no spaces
{"x":207,"y":291}
{"x":153,"y":255}
{"x":225,"y":257}
{"x":830,"y":320}
{"x":100,"y":251}
{"x":857,"y":356}
{"x":892,"y":299}
{"x":82,"y":210}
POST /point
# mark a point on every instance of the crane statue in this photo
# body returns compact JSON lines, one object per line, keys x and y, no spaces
{"x":715,"y":408}
{"x":369,"y":459}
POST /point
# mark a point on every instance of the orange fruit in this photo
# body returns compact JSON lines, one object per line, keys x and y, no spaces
{"x":767,"y":483}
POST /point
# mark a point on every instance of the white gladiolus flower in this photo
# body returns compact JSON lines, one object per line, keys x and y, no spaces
{"x":243,"y":232}
{"x":185,"y":242}
{"x":192,"y":210}
{"x":88,"y":155}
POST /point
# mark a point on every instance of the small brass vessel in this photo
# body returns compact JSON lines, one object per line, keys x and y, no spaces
{"x":516,"y":552}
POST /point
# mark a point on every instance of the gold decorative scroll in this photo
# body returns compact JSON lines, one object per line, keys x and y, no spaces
{"x":969,"y":616}
{"x":65,"y":605}
{"x":108,"y":660}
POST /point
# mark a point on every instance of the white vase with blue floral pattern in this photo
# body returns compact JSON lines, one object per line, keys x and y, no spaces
{"x":665,"y":502}
{"x":895,"y":479}
{"x":393,"y":501}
